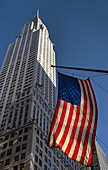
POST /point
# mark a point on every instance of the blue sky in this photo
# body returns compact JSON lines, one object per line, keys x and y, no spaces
{"x":80,"y":31}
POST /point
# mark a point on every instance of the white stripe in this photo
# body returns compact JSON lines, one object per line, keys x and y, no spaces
{"x":79,"y":121}
{"x":92,"y":127}
{"x":70,"y":129}
{"x":56,"y":123}
{"x":85,"y":125}
{"x":64,"y":123}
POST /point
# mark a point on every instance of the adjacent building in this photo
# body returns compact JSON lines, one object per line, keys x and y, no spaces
{"x":99,"y":160}
{"x":101,"y":157}
{"x":27,"y":103}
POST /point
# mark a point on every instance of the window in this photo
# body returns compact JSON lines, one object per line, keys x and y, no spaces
{"x":16,"y":158}
{"x":37,"y":131}
{"x":19,"y":140}
{"x":40,"y":153}
{"x":49,"y":162}
{"x":57,"y":163}
{"x":40,"y":162}
{"x":12,"y":135}
{"x":49,"y":153}
{"x":41,"y":136}
{"x":25,"y":137}
{"x":11,"y":143}
{"x":36,"y":158}
{"x":41,"y":144}
{"x":9,"y":152}
{"x":6,"y":137}
{"x":45,"y":167}
{"x":24,"y":146}
{"x":22,"y":166}
{"x":61,"y":167}
{"x":7,"y":162}
{"x":20,"y":131}
{"x":37,"y":139}
{"x":4,"y":145}
{"x":1,"y":164}
{"x":46,"y":150}
{"x":18,"y":148}
{"x":45,"y":158}
{"x":3,"y":154}
{"x":36,"y":149}
{"x":23,"y":155}
{"x":54,"y":168}
{"x":26,"y":130}
{"x":15,"y":167}
{"x":35,"y":167}
{"x":54,"y":159}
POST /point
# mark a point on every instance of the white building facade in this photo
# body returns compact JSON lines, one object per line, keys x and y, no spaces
{"x":27,"y":103}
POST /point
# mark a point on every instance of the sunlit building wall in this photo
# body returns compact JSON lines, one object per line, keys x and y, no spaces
{"x":27,"y":102}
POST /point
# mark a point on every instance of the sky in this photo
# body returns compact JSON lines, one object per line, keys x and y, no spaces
{"x":79,"y":30}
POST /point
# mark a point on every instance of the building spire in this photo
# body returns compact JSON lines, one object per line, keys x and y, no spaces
{"x":37,"y":13}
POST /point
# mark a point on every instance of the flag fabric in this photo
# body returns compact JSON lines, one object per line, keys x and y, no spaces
{"x":74,"y":122}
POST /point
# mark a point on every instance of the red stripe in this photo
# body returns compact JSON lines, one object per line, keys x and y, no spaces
{"x":54,"y":119}
{"x":84,"y":112}
{"x":67,"y":127}
{"x":88,"y":127}
{"x":73,"y":131}
{"x":94,"y":130}
{"x":61,"y":120}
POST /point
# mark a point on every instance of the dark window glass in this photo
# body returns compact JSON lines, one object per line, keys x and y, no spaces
{"x":3,"y":154}
{"x":37,"y":131}
{"x":40,"y":162}
{"x":15,"y":167}
{"x":20,"y":131}
{"x":26,"y":130}
{"x":6,"y":137}
{"x":41,"y":136}
{"x":1,"y":164}
{"x":7,"y":162}
{"x":49,"y":162}
{"x":36,"y":149}
{"x":24,"y":146}
{"x":16,"y":158}
{"x":22,"y":166}
{"x":4,"y":145}
{"x":9,"y":152}
{"x":45,"y":158}
{"x":23,"y":155}
{"x":35,"y":167}
{"x":12,"y":135}
{"x":40,"y":153}
{"x":36,"y":158}
{"x":54,"y":159}
{"x":41,"y":144}
{"x":11,"y":143}
{"x":18,"y":148}
{"x":19,"y":140}
{"x":25,"y":137}
{"x":49,"y":154}
{"x":37,"y":139}
{"x":46,"y":150}
{"x":45,"y":167}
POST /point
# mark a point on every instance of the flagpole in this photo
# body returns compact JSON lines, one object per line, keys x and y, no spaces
{"x":82,"y":69}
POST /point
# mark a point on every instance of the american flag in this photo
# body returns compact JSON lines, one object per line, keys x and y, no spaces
{"x":74,"y":122}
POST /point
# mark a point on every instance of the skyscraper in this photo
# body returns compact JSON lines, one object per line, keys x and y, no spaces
{"x":102,"y":161}
{"x":27,"y":102}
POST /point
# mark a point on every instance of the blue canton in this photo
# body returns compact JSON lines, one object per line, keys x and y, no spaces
{"x":69,"y":89}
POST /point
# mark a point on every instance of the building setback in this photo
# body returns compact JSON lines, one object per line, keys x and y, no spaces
{"x":27,"y":103}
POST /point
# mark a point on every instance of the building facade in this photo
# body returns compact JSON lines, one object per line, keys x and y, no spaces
{"x":101,"y":157}
{"x":99,"y":161}
{"x":27,"y":103}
